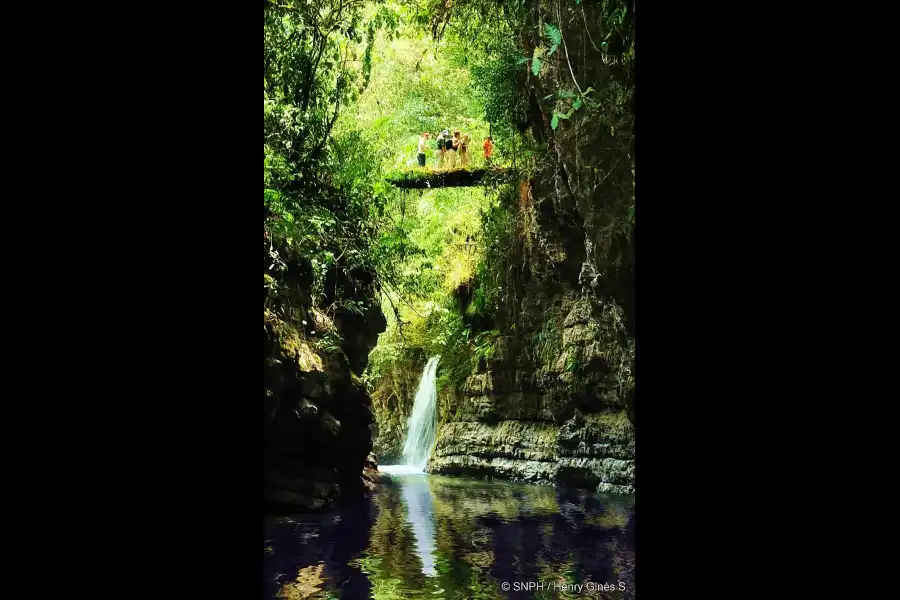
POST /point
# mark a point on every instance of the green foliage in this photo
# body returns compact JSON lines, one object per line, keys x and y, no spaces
{"x":573,"y":364}
{"x":547,"y":340}
{"x":555,"y":36}
{"x":536,"y":61}
{"x":485,"y":344}
{"x":498,"y":78}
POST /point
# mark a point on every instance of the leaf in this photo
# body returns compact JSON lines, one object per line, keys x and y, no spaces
{"x":553,"y":33}
{"x":604,"y":46}
{"x":555,"y":121}
{"x":577,"y":104}
{"x":536,"y":62}
{"x":522,"y":60}
{"x":548,"y":96}
{"x":380,"y":122}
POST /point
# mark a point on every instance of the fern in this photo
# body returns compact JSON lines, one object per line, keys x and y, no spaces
{"x":555,"y":36}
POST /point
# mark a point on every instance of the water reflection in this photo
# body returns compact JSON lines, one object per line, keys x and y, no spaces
{"x":420,"y":514}
{"x":437,"y":537}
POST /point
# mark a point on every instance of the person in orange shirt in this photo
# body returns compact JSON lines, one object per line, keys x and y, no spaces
{"x":488,"y":149}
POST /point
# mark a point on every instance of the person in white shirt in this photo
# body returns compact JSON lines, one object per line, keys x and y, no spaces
{"x":422,"y":141}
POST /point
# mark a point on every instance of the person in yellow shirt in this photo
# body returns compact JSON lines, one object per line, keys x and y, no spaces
{"x":464,"y":151}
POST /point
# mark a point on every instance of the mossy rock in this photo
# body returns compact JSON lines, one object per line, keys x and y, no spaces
{"x":580,"y":333}
{"x":519,"y":440}
{"x":581,"y":313}
{"x":600,"y":435}
{"x":582,"y":471}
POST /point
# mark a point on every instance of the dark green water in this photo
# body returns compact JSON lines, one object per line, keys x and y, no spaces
{"x":424,"y":536}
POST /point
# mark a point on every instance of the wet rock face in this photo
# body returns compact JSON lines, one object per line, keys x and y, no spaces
{"x":317,"y":415}
{"x":565,"y":422}
{"x":597,"y":452}
{"x":318,"y":441}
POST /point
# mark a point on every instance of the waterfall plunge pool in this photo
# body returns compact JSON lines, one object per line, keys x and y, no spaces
{"x":429,"y":536}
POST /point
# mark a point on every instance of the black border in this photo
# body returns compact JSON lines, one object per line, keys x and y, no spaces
{"x":178,"y":138}
{"x":709,"y":297}
{"x":181,"y":131}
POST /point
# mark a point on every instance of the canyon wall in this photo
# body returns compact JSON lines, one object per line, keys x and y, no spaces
{"x":317,"y":415}
{"x":554,"y":400}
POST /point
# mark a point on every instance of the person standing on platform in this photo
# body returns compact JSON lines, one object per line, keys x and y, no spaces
{"x":441,"y":149}
{"x":423,"y":139}
{"x":488,"y":149}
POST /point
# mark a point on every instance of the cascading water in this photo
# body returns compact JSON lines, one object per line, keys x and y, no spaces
{"x":423,"y":420}
{"x":420,"y":433}
{"x":422,"y":425}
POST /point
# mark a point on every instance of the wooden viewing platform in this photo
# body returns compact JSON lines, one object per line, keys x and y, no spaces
{"x":427,"y":178}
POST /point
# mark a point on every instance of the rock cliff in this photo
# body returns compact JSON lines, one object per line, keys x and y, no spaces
{"x":317,"y":415}
{"x":567,"y":423}
{"x":554,"y":398}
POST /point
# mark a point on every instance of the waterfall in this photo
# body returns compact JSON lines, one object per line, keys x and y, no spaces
{"x":420,"y":434}
{"x":422,"y":425}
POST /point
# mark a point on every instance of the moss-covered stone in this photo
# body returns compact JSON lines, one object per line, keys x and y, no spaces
{"x":476,"y":466}
{"x":586,"y":451}
{"x":580,"y":313}
{"x":507,"y":439}
{"x":523,"y":406}
{"x":580,"y":333}
{"x":610,"y":488}
{"x":591,"y":471}
{"x":499,"y":381}
{"x":318,"y":418}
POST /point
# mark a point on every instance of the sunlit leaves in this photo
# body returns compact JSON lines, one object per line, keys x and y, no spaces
{"x":536,"y":61}
{"x":556,"y":117}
